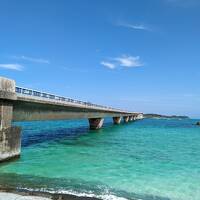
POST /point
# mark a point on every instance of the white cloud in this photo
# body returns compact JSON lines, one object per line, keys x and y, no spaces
{"x":16,"y":67}
{"x":108,"y":64}
{"x":129,"y":61}
{"x":134,"y":26}
{"x":123,"y":61}
{"x":37,"y":60}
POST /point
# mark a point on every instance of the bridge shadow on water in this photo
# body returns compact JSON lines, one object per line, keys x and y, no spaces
{"x":65,"y":132}
{"x":53,"y":135}
{"x":35,"y":133}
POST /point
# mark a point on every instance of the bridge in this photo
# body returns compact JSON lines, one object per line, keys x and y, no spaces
{"x":23,"y":104}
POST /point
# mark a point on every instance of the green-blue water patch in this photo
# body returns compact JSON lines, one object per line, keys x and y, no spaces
{"x":148,"y":159}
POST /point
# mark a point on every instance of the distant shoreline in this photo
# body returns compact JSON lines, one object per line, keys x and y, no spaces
{"x":158,"y":116}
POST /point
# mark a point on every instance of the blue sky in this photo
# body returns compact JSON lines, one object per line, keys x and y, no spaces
{"x":139,"y":55}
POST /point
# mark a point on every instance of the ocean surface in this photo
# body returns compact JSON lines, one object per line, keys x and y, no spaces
{"x":151,"y":159}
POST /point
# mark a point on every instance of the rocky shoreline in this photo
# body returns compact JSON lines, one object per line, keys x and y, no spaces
{"x":13,"y":194}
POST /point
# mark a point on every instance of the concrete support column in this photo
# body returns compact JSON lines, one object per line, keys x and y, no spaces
{"x":6,"y":110}
{"x":117,"y":120}
{"x":126,"y":119}
{"x":131,"y":118}
{"x":10,"y":140}
{"x":96,"y":123}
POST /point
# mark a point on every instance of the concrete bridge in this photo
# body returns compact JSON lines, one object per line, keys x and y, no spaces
{"x":22,"y":104}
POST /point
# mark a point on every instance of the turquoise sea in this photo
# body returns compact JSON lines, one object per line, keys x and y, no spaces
{"x":150,"y":159}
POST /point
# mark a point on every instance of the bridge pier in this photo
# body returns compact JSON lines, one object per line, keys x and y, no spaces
{"x":117,"y":120}
{"x":131,"y":118}
{"x":126,"y":119}
{"x":10,"y":138}
{"x":96,"y":123}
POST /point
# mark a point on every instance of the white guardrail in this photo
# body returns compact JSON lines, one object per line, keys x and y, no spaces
{"x":47,"y":96}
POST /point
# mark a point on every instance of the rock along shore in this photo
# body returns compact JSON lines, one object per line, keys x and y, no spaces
{"x":26,"y":195}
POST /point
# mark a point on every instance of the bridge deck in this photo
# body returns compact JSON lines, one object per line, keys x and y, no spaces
{"x":24,"y":94}
{"x":36,"y":105}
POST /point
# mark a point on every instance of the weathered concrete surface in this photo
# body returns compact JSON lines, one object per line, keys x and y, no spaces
{"x":7,"y":89}
{"x":96,"y":123}
{"x":30,"y":111}
{"x":10,"y":138}
{"x":6,"y":111}
{"x":27,"y":109}
{"x":126,"y":119}
{"x":7,"y":94}
{"x":117,"y":120}
{"x":10,"y":143}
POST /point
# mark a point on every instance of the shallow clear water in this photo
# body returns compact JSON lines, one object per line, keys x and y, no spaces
{"x":148,"y":159}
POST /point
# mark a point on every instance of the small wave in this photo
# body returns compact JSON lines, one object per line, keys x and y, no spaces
{"x":106,"y":196}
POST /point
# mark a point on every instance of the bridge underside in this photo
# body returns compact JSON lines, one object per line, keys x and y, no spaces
{"x":28,"y":111}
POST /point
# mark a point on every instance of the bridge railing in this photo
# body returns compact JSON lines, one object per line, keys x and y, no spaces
{"x":35,"y":93}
